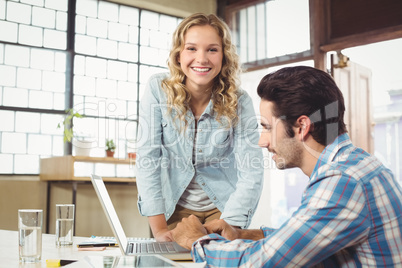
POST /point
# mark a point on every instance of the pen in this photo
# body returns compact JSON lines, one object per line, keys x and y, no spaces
{"x":91,"y":248}
{"x":85,"y":245}
{"x":58,"y":263}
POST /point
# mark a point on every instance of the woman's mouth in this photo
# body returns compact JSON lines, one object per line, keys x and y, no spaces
{"x":201,"y":70}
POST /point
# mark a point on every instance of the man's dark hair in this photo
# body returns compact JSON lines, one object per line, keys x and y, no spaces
{"x":302,"y":90}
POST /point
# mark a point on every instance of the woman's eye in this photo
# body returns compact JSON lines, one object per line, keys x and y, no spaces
{"x":191,"y":48}
{"x":213,"y":49}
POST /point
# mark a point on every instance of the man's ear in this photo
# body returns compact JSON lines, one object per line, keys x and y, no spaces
{"x":304,"y":126}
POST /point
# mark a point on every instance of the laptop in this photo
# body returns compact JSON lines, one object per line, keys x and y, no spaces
{"x":170,"y":250}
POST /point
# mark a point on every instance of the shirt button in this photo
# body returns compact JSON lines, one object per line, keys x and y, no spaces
{"x":214,"y":198}
{"x":203,"y":184}
{"x":200,"y":150}
{"x":168,"y":214}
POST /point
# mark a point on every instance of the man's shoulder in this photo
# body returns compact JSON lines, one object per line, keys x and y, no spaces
{"x":357,"y":164}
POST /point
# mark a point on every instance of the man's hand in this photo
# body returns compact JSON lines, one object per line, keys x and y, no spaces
{"x":223,"y":228}
{"x":188,"y":231}
{"x":232,"y":232}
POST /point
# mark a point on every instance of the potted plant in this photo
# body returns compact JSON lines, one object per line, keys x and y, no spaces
{"x":110,"y":147}
{"x":68,"y":124}
{"x":81,"y":145}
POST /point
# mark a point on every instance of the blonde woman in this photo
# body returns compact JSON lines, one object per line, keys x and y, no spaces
{"x":197,"y":139}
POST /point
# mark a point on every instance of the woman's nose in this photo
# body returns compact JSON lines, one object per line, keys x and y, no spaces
{"x":202,"y":57}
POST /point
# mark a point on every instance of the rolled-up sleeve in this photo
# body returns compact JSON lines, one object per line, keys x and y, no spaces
{"x":243,"y":202}
{"x":148,"y":164}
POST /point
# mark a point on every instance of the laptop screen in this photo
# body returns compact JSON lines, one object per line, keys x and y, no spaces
{"x":110,"y":212}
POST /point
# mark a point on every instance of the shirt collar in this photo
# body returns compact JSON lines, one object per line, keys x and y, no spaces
{"x":331,"y":150}
{"x":209,"y":110}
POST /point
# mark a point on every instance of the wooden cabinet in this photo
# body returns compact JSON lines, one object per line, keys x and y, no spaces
{"x":77,"y":169}
{"x":65,"y":168}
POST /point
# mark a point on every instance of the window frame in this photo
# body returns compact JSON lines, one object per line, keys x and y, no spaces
{"x":71,"y":54}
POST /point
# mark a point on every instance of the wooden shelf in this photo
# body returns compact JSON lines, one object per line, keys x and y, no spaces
{"x":62,"y":168}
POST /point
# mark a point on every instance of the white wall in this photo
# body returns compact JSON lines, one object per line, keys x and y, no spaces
{"x":29,"y":192}
{"x":181,"y":8}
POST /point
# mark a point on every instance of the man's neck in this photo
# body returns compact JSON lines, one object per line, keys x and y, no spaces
{"x":311,"y":153}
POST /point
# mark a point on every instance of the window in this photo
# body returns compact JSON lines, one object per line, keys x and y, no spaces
{"x":272,"y":32}
{"x":102,"y":74}
{"x":269,"y":36}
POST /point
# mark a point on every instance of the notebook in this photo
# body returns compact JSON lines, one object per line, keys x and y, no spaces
{"x":170,"y":250}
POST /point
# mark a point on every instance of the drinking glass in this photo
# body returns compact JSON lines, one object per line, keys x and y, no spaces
{"x":30,"y":235}
{"x":64,"y":224}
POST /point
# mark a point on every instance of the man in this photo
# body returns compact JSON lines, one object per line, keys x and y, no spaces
{"x":351,"y":210}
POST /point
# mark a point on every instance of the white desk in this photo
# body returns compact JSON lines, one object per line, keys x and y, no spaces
{"x":9,"y":251}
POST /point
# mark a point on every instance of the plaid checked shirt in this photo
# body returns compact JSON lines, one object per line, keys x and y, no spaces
{"x":350,"y":216}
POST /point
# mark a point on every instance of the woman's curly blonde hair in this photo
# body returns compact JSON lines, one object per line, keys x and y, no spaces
{"x":225,"y":89}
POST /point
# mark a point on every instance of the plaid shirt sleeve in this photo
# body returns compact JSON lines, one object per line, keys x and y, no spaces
{"x":315,"y":232}
{"x":351,"y":215}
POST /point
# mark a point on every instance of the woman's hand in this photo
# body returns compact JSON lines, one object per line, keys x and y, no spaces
{"x":163,"y":235}
{"x":188,"y":231}
{"x":159,"y":228}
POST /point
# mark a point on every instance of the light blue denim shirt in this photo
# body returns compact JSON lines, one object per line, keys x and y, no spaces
{"x":228,"y":162}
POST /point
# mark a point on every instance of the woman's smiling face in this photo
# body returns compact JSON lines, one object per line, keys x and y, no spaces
{"x":201,"y":57}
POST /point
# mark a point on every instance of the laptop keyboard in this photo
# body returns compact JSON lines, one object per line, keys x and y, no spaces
{"x":153,"y":247}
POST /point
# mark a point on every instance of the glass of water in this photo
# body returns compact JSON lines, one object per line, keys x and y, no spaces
{"x":64,"y":224}
{"x":30,"y":235}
